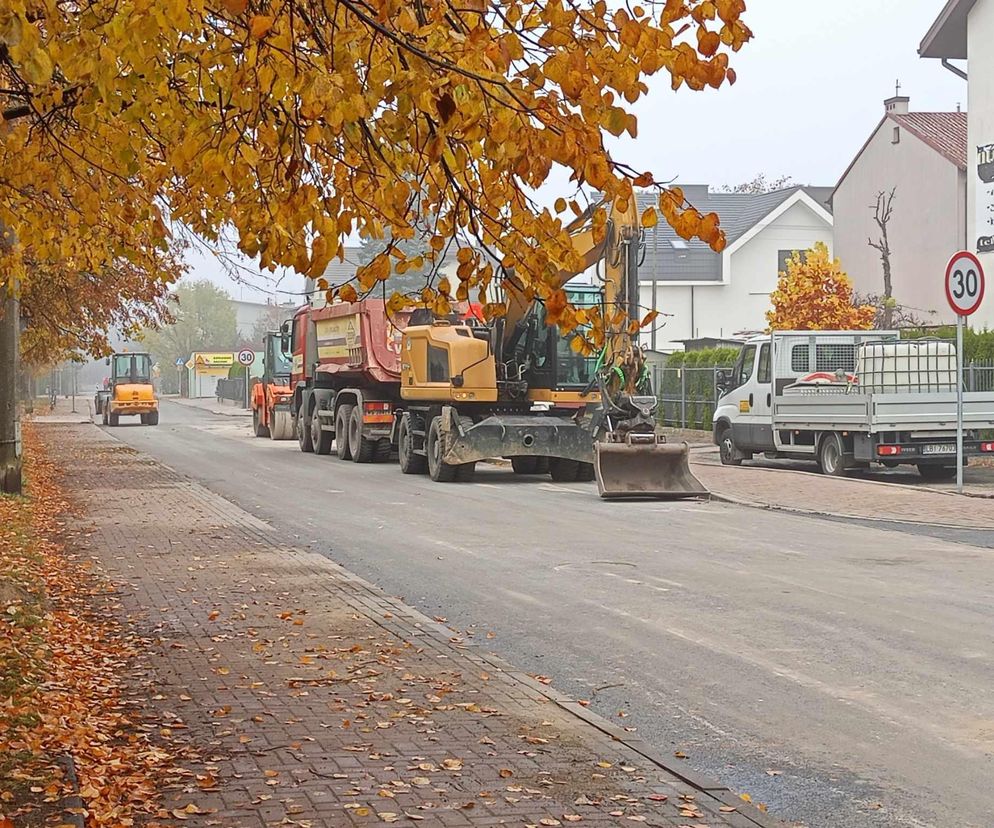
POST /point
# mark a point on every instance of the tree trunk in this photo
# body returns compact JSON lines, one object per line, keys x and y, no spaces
{"x":10,"y":443}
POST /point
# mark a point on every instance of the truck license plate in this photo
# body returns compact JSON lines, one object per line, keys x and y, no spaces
{"x":939,"y":448}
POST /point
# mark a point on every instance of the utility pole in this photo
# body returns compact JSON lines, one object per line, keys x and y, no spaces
{"x":10,"y":426}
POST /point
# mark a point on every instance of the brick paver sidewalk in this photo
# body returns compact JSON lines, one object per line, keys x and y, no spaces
{"x":800,"y":491}
{"x":315,"y":700}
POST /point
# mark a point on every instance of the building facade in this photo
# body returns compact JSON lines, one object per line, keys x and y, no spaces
{"x":703,"y":294}
{"x":921,"y":158}
{"x":964,"y":30}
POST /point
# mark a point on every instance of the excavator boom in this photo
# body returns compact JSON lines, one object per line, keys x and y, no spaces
{"x":632,"y":458}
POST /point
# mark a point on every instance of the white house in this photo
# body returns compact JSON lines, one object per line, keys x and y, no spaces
{"x":703,"y":294}
{"x":964,"y":30}
{"x":921,"y":158}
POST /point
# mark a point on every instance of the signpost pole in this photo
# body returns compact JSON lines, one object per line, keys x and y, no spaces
{"x":246,"y":387}
{"x":959,"y":403}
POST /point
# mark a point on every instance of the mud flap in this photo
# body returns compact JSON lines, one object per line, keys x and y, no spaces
{"x":646,"y":467}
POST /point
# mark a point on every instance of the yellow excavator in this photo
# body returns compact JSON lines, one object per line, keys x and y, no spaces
{"x":515,"y":389}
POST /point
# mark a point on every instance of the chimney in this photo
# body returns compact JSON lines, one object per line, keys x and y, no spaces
{"x":898,"y":105}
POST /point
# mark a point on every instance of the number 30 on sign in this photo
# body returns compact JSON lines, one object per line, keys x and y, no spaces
{"x":964,"y":283}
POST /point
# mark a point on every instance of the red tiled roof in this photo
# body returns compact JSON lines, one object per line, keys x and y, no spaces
{"x":945,"y":132}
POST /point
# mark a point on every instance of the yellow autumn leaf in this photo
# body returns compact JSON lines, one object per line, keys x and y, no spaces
{"x":650,"y":218}
{"x":260,"y":25}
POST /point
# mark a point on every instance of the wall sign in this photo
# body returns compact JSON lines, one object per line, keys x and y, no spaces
{"x":985,"y":198}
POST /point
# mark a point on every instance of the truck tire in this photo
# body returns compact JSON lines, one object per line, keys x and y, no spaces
{"x":931,"y":472}
{"x":363,"y":449}
{"x":727,"y":449}
{"x":113,"y":419}
{"x":153,"y":418}
{"x":320,"y":439}
{"x":143,"y":418}
{"x":586,"y":473}
{"x":438,"y":470}
{"x":104,"y":416}
{"x":564,"y":471}
{"x":303,"y":427}
{"x":410,"y":463}
{"x":257,"y":427}
{"x":526,"y":465}
{"x":342,"y":418}
{"x":832,"y":459}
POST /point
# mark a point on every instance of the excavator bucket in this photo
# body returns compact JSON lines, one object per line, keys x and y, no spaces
{"x":645,"y":468}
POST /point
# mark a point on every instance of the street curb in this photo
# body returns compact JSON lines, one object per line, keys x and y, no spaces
{"x":795,"y":510}
{"x":903,"y":486}
{"x":426,"y":626}
{"x":393,"y":615}
{"x":74,"y":801}
{"x":219,"y":410}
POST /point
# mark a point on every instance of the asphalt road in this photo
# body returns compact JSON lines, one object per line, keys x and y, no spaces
{"x":842,"y":674}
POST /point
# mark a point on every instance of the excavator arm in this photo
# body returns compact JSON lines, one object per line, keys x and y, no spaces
{"x":632,"y":457}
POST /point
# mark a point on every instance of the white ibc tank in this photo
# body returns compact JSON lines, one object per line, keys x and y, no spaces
{"x":911,"y":366}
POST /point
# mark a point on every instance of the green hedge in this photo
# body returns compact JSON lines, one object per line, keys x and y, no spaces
{"x":699,"y":385}
{"x":978,"y":346}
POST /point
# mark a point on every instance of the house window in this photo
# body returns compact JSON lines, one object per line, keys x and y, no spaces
{"x":784,"y":256}
{"x":897,"y":136}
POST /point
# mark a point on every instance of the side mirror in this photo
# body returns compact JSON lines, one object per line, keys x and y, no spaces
{"x":107,"y":362}
{"x":722,"y":380}
{"x":285,"y":341}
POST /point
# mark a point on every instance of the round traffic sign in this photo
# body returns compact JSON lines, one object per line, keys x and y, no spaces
{"x":965,"y":283}
{"x":246,"y":357}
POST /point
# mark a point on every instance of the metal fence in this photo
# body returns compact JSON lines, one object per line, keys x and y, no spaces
{"x":231,"y":389}
{"x":688,"y":396}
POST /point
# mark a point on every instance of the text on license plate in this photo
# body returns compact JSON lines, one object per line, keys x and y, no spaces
{"x":939,"y":448}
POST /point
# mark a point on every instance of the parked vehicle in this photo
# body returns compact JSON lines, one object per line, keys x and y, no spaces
{"x":847,"y":399}
{"x":448,"y":393}
{"x":272,"y":395}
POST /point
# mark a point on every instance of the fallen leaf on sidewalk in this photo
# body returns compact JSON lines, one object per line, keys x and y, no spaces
{"x":452,"y":764}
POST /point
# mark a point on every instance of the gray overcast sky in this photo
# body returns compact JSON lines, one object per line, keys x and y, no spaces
{"x":810,"y":89}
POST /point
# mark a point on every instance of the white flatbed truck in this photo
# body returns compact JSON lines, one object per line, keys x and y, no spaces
{"x":846,"y":399}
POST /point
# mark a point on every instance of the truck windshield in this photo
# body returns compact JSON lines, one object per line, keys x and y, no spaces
{"x":134,"y":368}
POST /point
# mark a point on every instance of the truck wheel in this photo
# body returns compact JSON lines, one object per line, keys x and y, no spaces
{"x":153,"y":417}
{"x":832,"y":460}
{"x":410,"y":463}
{"x":113,"y":419}
{"x":303,"y":433}
{"x":342,"y":418}
{"x":320,"y":439}
{"x":564,"y":471}
{"x":438,"y":470}
{"x":363,"y":448}
{"x":257,"y":427}
{"x":143,"y":418}
{"x":930,"y":472}
{"x":727,"y":449}
{"x":586,"y":473}
{"x":104,"y":416}
{"x":525,"y":465}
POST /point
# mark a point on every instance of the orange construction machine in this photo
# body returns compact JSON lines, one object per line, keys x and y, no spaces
{"x":271,"y":396}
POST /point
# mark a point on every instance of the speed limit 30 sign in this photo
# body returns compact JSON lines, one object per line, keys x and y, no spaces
{"x":965,"y":283}
{"x":246,"y":357}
